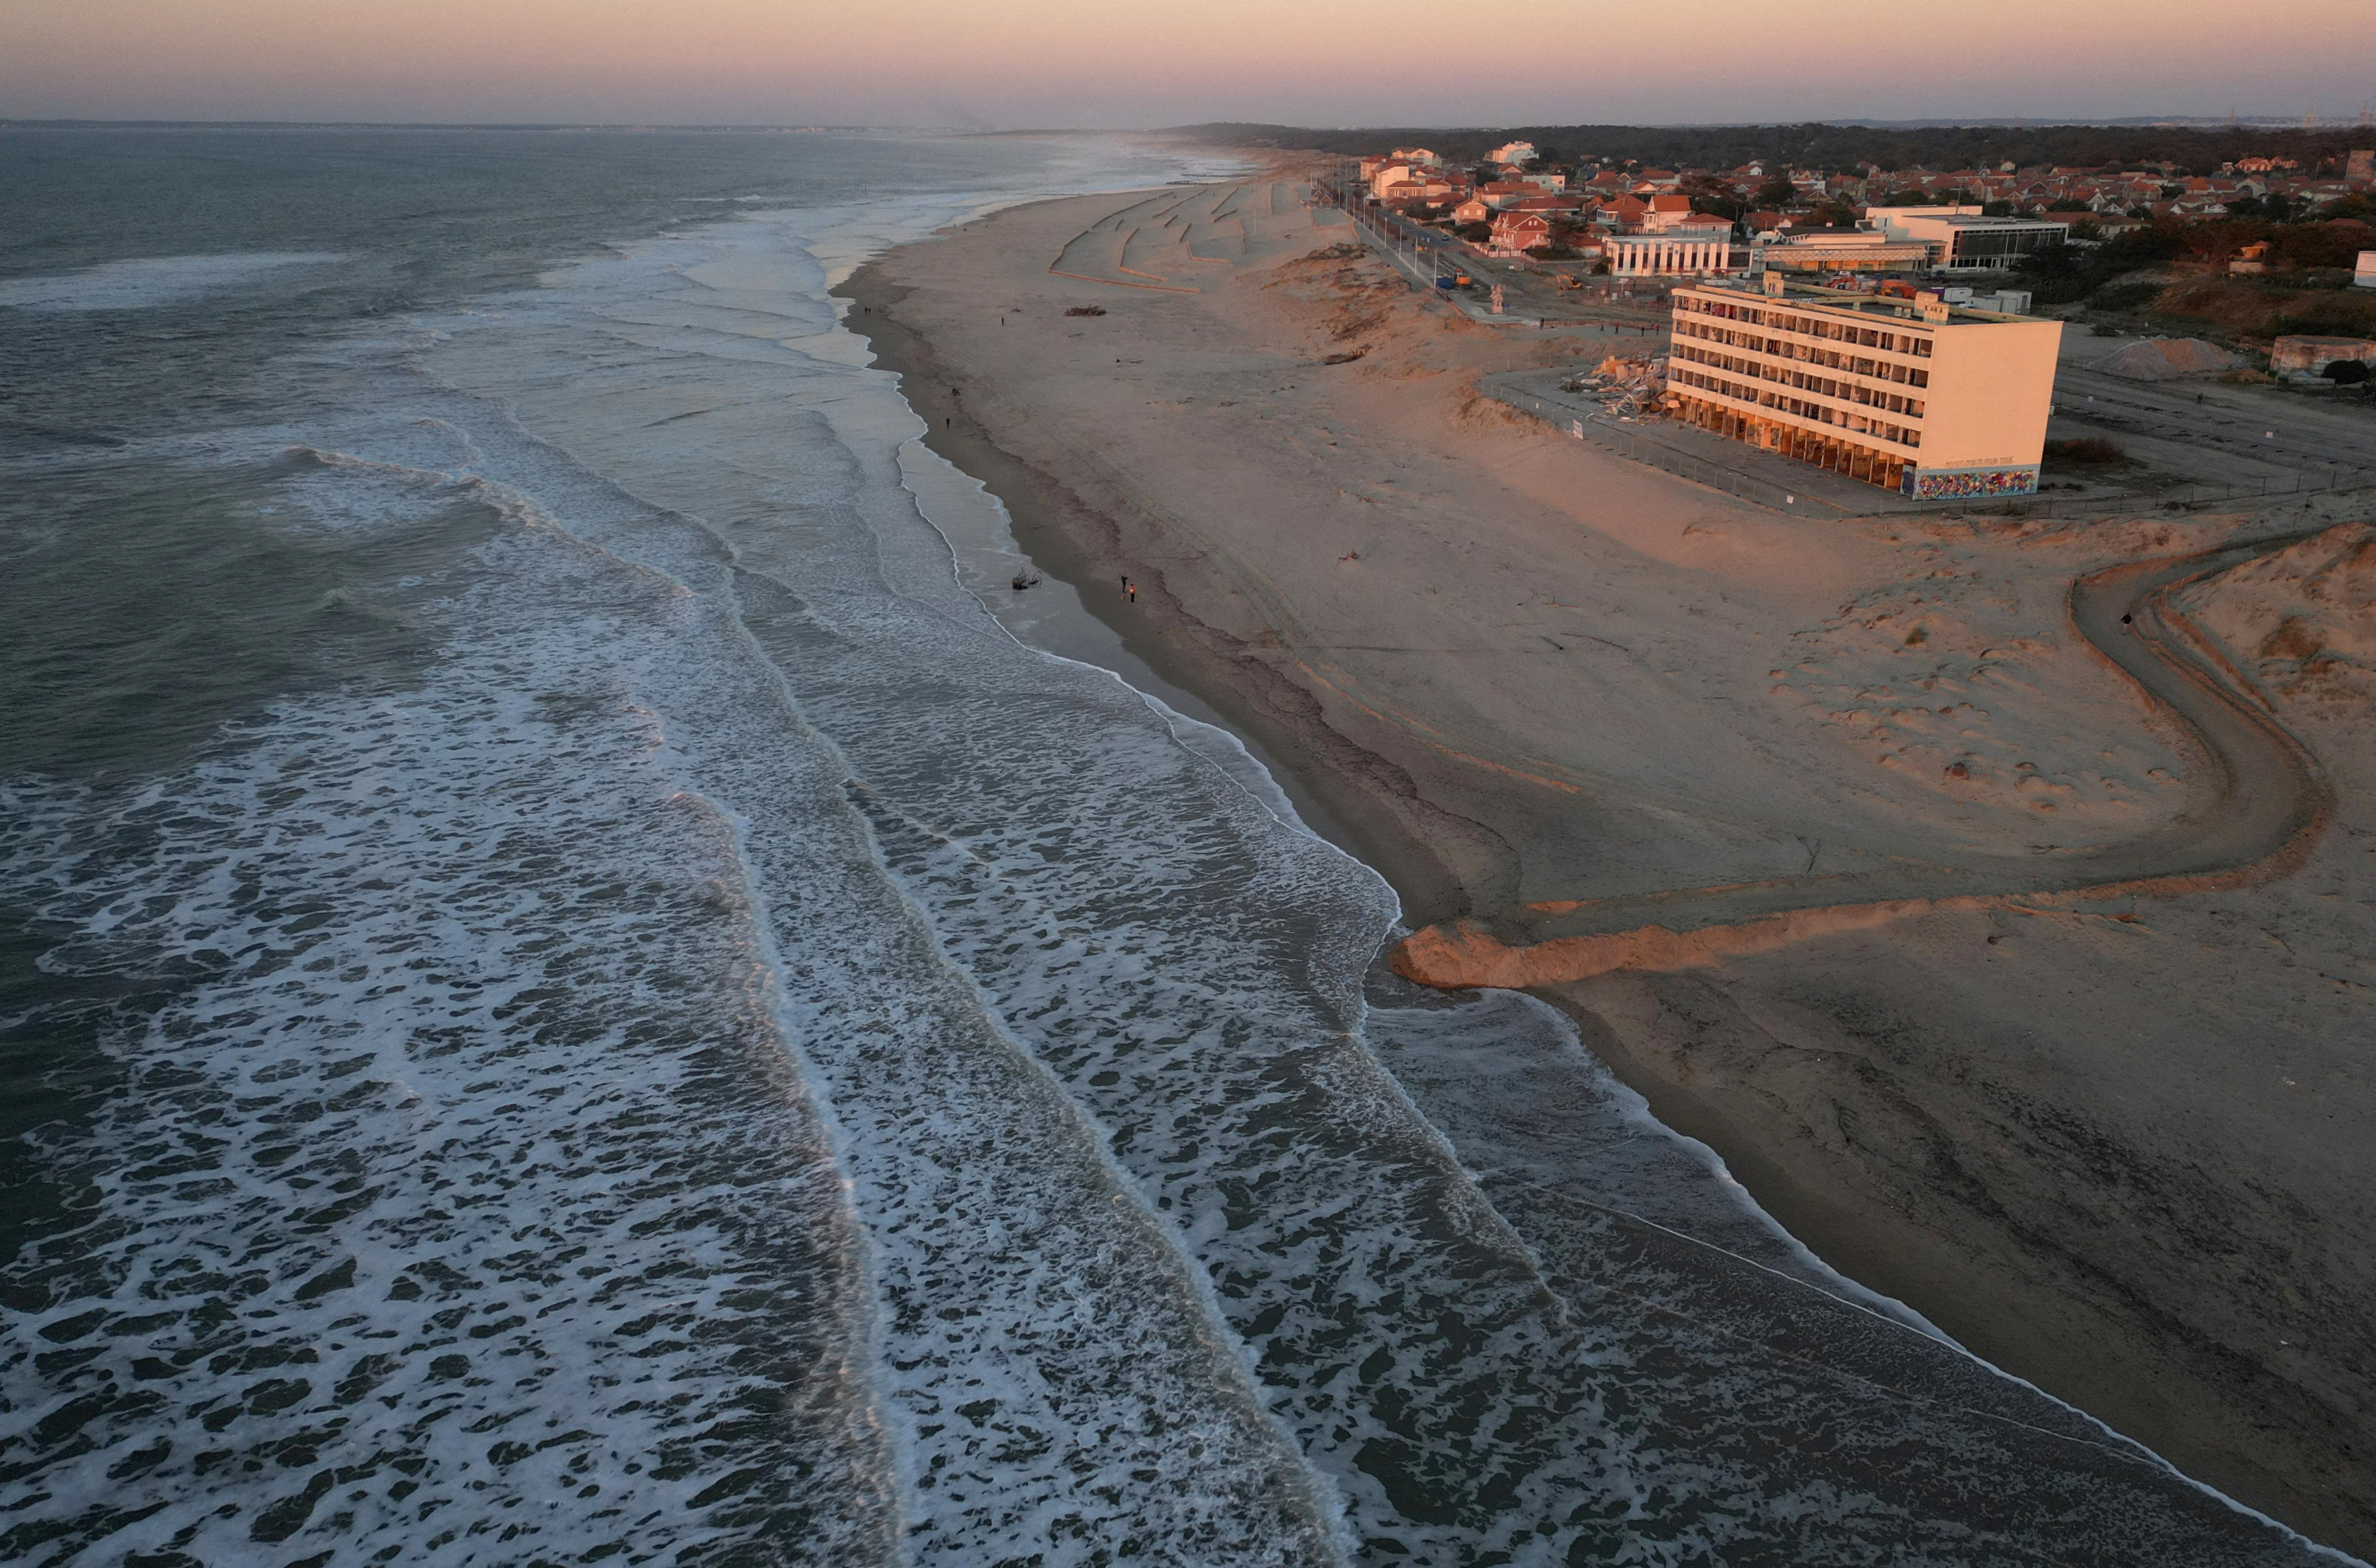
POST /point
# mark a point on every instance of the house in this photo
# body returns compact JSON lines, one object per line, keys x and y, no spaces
{"x":1473,"y":210}
{"x":1624,"y":211}
{"x":1663,"y":212}
{"x":1700,"y":226}
{"x":1521,"y":231}
{"x":1513,"y":153}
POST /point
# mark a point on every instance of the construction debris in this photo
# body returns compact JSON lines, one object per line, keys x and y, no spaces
{"x":1627,"y":386}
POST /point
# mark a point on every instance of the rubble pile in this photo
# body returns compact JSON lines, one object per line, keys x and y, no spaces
{"x":1628,"y":387}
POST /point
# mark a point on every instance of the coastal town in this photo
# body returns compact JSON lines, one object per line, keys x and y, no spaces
{"x":1523,"y":202}
{"x":1905,"y":330}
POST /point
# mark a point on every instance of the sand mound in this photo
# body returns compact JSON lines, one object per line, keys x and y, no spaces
{"x":1959,"y":681}
{"x":2303,"y":619}
{"x":1464,"y":952}
{"x":2162,"y":358}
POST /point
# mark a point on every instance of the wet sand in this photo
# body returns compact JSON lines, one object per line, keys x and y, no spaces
{"x":2120,"y":1150}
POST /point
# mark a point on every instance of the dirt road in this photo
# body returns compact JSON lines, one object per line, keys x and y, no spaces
{"x":2260,"y":801}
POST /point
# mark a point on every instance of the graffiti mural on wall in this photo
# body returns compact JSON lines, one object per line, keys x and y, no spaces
{"x":1969,"y":485}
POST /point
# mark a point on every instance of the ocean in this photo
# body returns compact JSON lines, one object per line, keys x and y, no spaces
{"x":569,"y":993}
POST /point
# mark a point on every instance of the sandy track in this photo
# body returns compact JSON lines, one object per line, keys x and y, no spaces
{"x":2261,"y":802}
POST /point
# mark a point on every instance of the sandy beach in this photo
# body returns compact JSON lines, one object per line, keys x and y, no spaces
{"x":2119,"y":1145}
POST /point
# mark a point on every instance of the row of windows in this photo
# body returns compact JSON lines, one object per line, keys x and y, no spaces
{"x":1884,"y":370}
{"x":1782,"y":320}
{"x":1846,"y":391}
{"x":1822,"y":413}
{"x":1998,"y":244}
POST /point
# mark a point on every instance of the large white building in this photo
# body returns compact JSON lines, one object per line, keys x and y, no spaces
{"x":1965,"y":237}
{"x":1688,"y":254}
{"x":1917,"y":396}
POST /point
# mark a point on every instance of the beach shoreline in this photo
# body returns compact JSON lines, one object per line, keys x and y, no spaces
{"x":1882,"y":1093}
{"x":1081,"y":546}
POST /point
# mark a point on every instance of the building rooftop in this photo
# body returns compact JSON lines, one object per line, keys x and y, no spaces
{"x":1965,"y":220}
{"x":1892,"y":307}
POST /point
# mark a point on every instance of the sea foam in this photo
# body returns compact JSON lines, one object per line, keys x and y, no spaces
{"x":150,"y":281}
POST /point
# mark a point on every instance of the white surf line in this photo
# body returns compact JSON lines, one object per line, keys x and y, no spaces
{"x":1320,"y":1490}
{"x":1327,"y":1505}
{"x":149,"y":282}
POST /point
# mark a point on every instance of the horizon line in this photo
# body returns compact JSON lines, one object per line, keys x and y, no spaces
{"x":2000,"y":122}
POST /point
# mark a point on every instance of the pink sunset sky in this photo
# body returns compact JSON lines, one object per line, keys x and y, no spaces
{"x":1136,"y":64}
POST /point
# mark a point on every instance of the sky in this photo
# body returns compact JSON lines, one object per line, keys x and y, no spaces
{"x":1137,"y":64}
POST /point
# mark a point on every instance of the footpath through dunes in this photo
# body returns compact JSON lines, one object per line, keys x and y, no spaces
{"x":2261,"y":800}
{"x":1177,"y":240}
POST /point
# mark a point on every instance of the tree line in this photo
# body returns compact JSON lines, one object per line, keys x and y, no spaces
{"x":1838,"y":149}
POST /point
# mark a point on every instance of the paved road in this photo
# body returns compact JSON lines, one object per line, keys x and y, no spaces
{"x":2229,"y":426}
{"x":1531,"y":296}
{"x":2260,"y":801}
